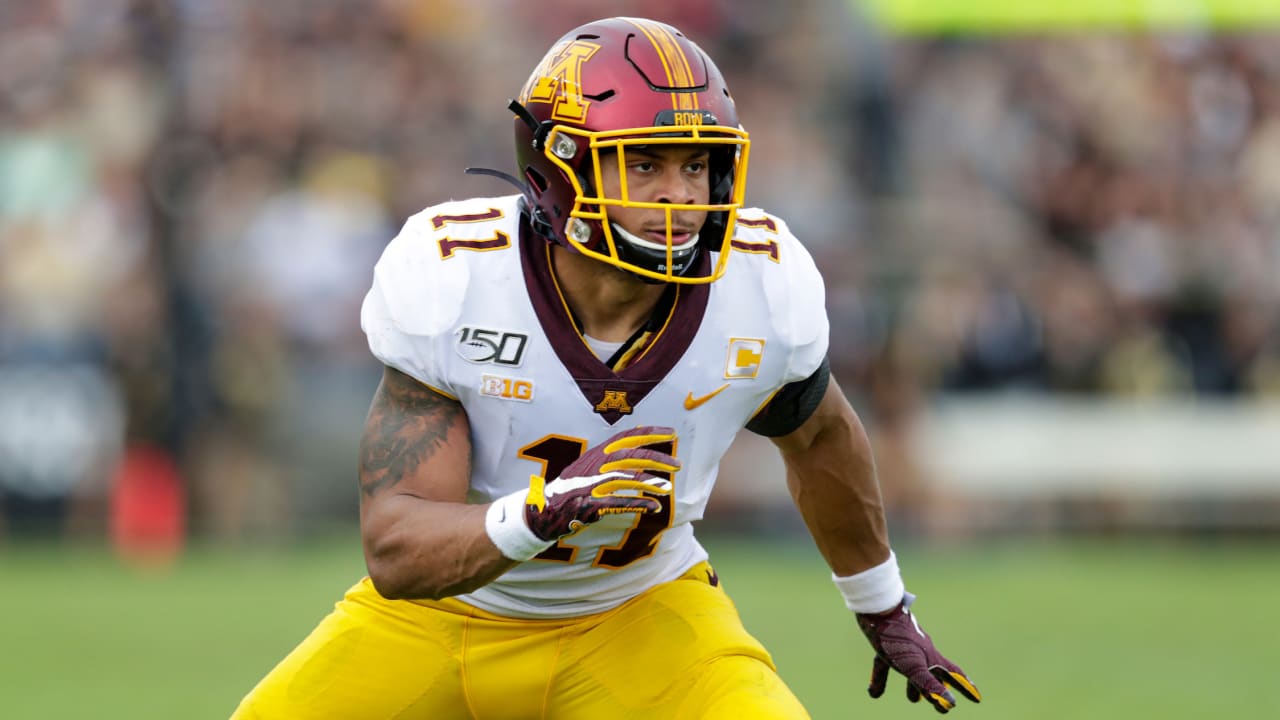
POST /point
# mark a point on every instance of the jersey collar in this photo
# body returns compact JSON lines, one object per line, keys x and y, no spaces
{"x":614,"y":393}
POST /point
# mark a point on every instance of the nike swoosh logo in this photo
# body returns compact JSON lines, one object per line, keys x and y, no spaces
{"x":691,"y":402}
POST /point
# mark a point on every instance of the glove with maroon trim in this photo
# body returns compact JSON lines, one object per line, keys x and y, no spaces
{"x":901,"y":644}
{"x":611,"y":478}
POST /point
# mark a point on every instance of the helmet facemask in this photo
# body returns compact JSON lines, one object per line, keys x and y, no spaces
{"x":578,"y":154}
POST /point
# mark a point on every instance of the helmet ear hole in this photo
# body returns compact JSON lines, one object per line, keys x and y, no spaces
{"x":536,"y":179}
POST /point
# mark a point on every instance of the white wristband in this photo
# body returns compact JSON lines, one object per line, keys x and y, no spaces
{"x":874,"y":590}
{"x":504,"y":521}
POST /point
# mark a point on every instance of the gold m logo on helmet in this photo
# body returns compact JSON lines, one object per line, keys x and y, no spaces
{"x":559,"y":81}
{"x":615,"y":400}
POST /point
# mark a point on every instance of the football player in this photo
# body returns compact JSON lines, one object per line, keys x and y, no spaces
{"x":565,"y":368}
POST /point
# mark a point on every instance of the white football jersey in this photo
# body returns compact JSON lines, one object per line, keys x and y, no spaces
{"x":461,"y":303}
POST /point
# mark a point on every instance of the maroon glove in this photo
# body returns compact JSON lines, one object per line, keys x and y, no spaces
{"x":901,"y":644}
{"x":612,"y":477}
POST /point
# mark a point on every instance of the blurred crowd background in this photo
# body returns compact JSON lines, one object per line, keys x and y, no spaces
{"x":193,"y":194}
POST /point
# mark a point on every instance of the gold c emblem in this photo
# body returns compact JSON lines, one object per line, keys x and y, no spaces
{"x":744,"y":358}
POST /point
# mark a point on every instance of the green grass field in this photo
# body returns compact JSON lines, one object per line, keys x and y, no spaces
{"x":1096,"y":629}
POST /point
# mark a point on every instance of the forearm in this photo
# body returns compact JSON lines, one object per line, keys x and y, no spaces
{"x":421,"y":539}
{"x":831,"y":477}
{"x":417,"y":548}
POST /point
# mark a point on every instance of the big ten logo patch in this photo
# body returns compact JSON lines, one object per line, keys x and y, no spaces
{"x":744,"y":358}
{"x":481,"y":345}
{"x":506,"y":388}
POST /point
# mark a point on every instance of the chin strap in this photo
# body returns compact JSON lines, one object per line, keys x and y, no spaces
{"x":641,"y":252}
{"x":641,"y":242}
{"x":498,"y":174}
{"x":536,"y":218}
{"x":527,"y":117}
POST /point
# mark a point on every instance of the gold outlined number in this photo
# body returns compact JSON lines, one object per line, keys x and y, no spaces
{"x":555,"y":453}
{"x":768,"y":247}
{"x":448,"y":245}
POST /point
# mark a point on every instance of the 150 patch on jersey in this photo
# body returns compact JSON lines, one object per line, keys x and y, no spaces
{"x":481,"y":345}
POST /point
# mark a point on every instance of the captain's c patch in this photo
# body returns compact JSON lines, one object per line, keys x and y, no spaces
{"x":744,"y":358}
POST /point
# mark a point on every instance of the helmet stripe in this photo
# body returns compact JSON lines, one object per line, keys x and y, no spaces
{"x":674,"y":62}
{"x":683,"y":73}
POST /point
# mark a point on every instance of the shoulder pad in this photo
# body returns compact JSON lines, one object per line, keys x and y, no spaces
{"x":424,"y":273}
{"x":421,"y":296}
{"x":791,"y":284}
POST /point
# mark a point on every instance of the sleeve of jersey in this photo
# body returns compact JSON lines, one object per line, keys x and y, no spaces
{"x":797,"y":305}
{"x":413,"y":303}
{"x":797,"y":299}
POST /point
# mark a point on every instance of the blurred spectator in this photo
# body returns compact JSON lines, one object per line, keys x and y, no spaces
{"x":61,"y":427}
{"x":192,"y":196}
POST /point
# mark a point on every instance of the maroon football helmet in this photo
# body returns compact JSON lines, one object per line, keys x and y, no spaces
{"x":608,"y":86}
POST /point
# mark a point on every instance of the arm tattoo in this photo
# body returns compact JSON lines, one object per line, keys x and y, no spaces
{"x":408,"y":422}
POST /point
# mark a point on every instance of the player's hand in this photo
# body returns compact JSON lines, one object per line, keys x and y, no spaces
{"x":901,"y":644}
{"x":612,"y":477}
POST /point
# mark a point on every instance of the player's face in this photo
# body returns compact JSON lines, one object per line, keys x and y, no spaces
{"x":676,"y":174}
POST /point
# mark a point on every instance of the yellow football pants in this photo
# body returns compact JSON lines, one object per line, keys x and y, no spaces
{"x":676,"y":651}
